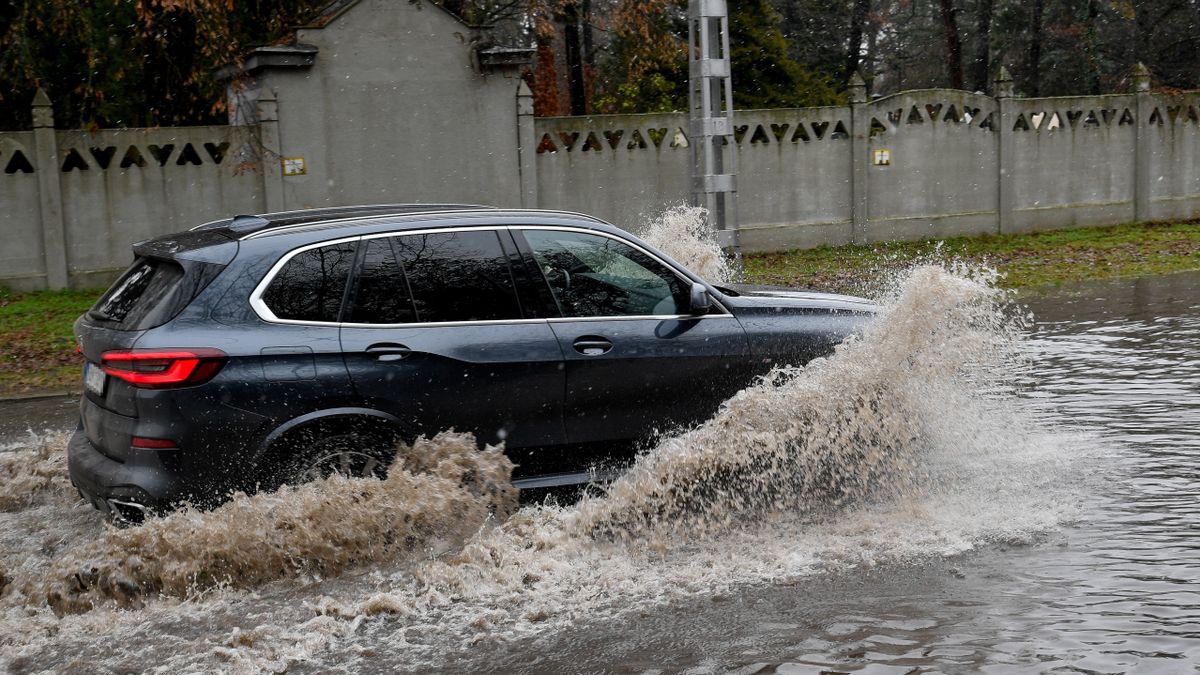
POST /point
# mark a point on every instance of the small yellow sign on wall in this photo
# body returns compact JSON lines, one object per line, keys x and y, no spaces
{"x":293,"y":166}
{"x":881,"y":158}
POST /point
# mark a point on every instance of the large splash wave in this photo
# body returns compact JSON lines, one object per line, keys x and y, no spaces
{"x":438,"y":492}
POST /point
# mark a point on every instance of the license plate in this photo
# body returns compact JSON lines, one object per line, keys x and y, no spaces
{"x":94,"y":378}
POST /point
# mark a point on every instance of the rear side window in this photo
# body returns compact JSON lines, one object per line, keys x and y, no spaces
{"x":458,"y":276}
{"x":382,"y":295}
{"x":151,"y":293}
{"x":310,"y":285}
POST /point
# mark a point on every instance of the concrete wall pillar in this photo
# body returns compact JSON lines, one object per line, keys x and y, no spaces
{"x":1006,"y":158}
{"x":526,"y":147}
{"x":860,"y":136}
{"x":1141,"y":147}
{"x":270,"y":151}
{"x":54,"y":239}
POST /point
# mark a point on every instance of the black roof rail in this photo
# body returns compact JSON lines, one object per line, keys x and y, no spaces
{"x":243,"y":225}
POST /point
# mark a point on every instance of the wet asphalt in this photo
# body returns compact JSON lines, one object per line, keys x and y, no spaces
{"x":18,"y":417}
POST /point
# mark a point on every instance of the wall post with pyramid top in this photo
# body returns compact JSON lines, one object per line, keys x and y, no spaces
{"x":860,"y":130}
{"x":1005,"y":157}
{"x":1141,"y":152}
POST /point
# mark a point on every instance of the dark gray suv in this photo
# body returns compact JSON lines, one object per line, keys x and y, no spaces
{"x":265,"y":349}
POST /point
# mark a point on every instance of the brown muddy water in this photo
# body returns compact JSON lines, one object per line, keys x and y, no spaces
{"x":964,"y":489}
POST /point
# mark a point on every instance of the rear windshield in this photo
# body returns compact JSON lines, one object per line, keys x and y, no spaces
{"x":151,"y":293}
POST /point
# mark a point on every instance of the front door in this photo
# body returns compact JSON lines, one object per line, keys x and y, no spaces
{"x":636,"y":361}
{"x":436,"y":336}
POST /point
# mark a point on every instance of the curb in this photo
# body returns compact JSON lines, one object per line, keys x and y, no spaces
{"x":39,"y":395}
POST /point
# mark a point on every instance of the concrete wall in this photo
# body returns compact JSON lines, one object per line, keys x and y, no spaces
{"x":1171,"y":142}
{"x":1074,"y":161}
{"x":114,"y":188}
{"x":941,"y":179}
{"x":958,"y":163}
{"x":618,"y":167}
{"x":22,"y":257}
{"x":188,"y":177}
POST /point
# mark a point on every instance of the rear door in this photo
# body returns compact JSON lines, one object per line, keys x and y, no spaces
{"x":636,"y":361}
{"x":437,"y":336}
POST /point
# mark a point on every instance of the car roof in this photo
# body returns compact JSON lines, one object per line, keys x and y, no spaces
{"x":315,"y":225}
{"x":353,"y":220}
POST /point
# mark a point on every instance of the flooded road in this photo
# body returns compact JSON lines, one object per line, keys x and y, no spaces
{"x":1044,"y":518}
{"x":1115,"y":591}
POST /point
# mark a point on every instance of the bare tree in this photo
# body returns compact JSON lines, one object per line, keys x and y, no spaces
{"x":858,"y":18}
{"x":982,"y":64}
{"x":954,"y":66}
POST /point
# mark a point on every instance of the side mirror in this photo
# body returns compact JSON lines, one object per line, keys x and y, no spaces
{"x":701,"y":301}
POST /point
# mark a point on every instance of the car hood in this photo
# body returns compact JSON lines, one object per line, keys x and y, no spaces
{"x":762,"y":297}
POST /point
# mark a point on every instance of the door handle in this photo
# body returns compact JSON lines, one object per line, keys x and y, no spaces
{"x":592,"y":345}
{"x":389,"y":351}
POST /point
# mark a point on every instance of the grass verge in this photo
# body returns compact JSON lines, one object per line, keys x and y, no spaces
{"x":1026,"y":260}
{"x":37,"y":350}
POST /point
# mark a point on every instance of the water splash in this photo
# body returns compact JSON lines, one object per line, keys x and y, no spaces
{"x":684,"y":233}
{"x":34,"y":472}
{"x":839,"y":430}
{"x":904,"y":444}
{"x":438,"y":492}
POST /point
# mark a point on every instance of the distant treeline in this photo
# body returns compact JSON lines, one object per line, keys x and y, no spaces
{"x":116,"y":63}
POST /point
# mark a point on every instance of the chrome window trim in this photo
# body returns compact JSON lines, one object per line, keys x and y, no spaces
{"x":500,"y":322}
{"x":264,"y":312}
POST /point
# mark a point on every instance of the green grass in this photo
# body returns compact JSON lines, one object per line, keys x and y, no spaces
{"x":37,"y":350}
{"x":1026,"y":260}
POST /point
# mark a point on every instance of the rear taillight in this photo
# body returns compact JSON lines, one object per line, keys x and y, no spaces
{"x":164,"y":368}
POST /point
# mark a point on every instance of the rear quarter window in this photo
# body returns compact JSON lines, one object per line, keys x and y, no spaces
{"x":311,"y":284}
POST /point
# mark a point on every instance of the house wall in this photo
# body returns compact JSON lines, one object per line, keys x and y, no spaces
{"x":392,"y":111}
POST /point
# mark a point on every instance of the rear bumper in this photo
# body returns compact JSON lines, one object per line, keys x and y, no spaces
{"x":103,"y":480}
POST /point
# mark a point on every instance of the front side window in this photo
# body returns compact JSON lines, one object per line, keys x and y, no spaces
{"x":310,"y":285}
{"x":593,"y":275}
{"x":458,"y":276}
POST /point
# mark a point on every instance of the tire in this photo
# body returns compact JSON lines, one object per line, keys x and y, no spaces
{"x":352,"y":454}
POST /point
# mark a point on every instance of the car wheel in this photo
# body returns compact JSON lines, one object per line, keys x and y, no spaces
{"x":350,"y":454}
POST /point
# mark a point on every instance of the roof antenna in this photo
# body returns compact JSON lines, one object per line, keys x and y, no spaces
{"x":245,"y":223}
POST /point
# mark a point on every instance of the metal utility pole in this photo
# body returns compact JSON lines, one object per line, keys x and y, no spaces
{"x":710,"y":112}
